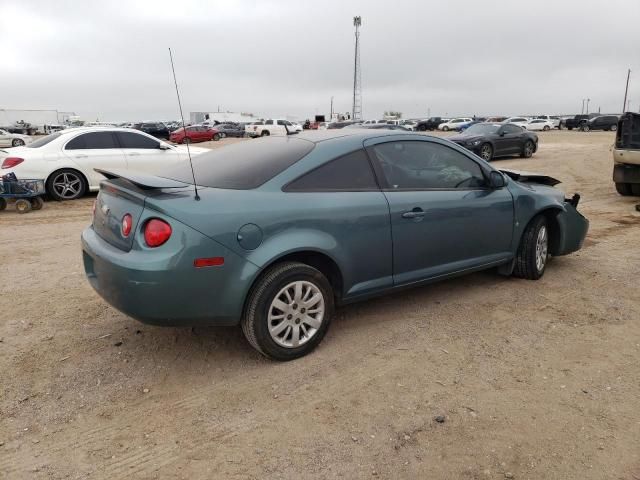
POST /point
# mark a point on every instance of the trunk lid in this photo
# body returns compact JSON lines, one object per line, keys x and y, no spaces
{"x":121,"y":194}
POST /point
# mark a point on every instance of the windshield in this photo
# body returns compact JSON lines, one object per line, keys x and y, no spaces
{"x":43,"y":141}
{"x":482,"y":129}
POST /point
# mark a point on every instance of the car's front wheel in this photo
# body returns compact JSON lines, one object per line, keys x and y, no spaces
{"x":546,"y":128}
{"x":533,"y":251}
{"x":17,"y":142}
{"x":66,"y":184}
{"x":445,"y":129}
{"x":216,"y":137}
{"x":584,"y":128}
{"x":614,"y":128}
{"x":288,"y":311}
{"x":486,"y":152}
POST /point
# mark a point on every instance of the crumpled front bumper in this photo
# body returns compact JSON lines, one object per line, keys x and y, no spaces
{"x":573,"y":228}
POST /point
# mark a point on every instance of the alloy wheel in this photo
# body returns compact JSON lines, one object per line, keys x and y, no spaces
{"x":17,"y":142}
{"x":296,"y":314}
{"x":542,"y":247}
{"x":67,"y":185}
{"x":528,"y":149}
{"x":486,"y":152}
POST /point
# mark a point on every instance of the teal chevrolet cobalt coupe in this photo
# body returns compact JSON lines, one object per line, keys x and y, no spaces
{"x":283,"y":229}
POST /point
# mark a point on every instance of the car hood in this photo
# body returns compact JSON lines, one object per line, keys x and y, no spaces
{"x":192,"y":150}
{"x":464,"y":138}
{"x":530,"y":177}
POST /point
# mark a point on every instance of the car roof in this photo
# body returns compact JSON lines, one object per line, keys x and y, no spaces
{"x":68,"y":131}
{"x":318,"y":136}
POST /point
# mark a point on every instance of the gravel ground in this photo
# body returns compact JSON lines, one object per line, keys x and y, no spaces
{"x":531,"y":380}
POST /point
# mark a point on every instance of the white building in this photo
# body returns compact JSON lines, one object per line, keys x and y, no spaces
{"x":221,"y":117}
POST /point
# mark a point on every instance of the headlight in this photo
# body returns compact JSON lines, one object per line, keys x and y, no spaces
{"x":474,"y":143}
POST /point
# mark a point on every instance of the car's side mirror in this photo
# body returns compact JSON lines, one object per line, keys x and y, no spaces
{"x":496,"y":179}
{"x":163,"y":146}
{"x":501,"y":133}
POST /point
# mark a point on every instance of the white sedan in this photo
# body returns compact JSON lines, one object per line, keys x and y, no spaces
{"x":66,"y":160}
{"x":539,"y":124}
{"x":454,"y":124}
{"x":13,"y":139}
{"x":520,"y":121}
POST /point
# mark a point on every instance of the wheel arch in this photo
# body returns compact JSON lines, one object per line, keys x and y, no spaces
{"x":554,"y":226}
{"x":314,"y":258}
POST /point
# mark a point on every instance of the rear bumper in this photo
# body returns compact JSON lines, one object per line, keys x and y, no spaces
{"x":162,"y":287}
{"x":573,"y":227}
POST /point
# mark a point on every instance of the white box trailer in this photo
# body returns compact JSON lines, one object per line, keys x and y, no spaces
{"x":30,"y":122}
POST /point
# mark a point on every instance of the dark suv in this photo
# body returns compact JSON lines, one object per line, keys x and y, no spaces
{"x":604,"y":122}
{"x":577,"y":121}
{"x":156,"y":129}
{"x":429,"y":124}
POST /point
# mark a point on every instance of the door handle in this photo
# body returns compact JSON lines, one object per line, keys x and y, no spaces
{"x":415,"y":213}
{"x":133,"y":154}
{"x":81,"y":156}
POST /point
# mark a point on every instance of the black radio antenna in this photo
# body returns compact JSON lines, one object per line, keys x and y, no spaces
{"x":184,"y":127}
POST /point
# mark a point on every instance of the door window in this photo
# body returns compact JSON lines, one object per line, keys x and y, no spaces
{"x":412,"y":165}
{"x":135,"y":140}
{"x":511,"y":129}
{"x":93,"y":141}
{"x":349,"y":173}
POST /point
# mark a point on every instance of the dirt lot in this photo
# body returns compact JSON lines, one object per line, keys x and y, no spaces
{"x":536,"y":380}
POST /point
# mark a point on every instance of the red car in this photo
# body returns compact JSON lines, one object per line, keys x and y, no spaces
{"x":195,"y":133}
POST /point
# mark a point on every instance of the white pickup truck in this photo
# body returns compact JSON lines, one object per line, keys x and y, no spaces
{"x":272,"y":126}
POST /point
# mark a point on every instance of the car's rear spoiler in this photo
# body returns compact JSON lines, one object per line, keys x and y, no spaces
{"x":142,"y":180}
{"x":528,"y":177}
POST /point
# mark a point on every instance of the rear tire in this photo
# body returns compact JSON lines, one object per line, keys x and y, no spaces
{"x":623,"y":189}
{"x":546,"y":128}
{"x":613,"y":128}
{"x":584,"y":128}
{"x":533,"y":251}
{"x":17,"y":142}
{"x":3,"y":204}
{"x":37,"y":203}
{"x":445,"y":129}
{"x":216,"y":137}
{"x":422,"y":128}
{"x":265,"y":133}
{"x":272,"y":330}
{"x":570,"y":128}
{"x":77,"y":185}
{"x":635,"y":189}
{"x":23,"y":206}
{"x":528,"y":149}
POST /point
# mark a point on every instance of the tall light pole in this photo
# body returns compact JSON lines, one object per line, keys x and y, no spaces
{"x":331,"y":114}
{"x":356,"y":111}
{"x":582,"y":111}
{"x":588,"y":100}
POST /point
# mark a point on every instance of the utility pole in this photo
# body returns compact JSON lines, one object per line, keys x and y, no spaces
{"x":428,"y":112}
{"x":582,"y":111}
{"x":331,"y":114}
{"x":356,"y":111}
{"x":588,"y":100}
{"x":626,"y":90}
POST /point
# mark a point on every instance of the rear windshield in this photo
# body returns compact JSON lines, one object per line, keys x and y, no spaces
{"x":244,"y":165}
{"x":43,"y":141}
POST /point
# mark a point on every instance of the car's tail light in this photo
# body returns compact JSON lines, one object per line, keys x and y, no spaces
{"x":127,"y":221}
{"x":156,"y":232}
{"x":11,"y":162}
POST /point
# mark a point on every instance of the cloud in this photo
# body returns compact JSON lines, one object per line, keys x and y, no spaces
{"x":109,"y":60}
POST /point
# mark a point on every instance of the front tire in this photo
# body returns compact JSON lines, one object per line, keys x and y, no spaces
{"x":23,"y":205}
{"x":528,"y":149}
{"x":486,"y":152}
{"x":533,"y":251}
{"x":546,"y":128}
{"x":3,"y":204}
{"x":288,"y":311}
{"x":445,"y":129}
{"x":265,"y":133}
{"x":17,"y":142}
{"x":37,"y":203}
{"x":66,"y":184}
{"x":613,"y":128}
{"x":216,"y":137}
{"x":584,"y":128}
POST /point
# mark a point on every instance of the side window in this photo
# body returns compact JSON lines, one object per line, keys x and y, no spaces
{"x":512,"y":129}
{"x":269,"y":122}
{"x":281,"y":122}
{"x":93,"y":140}
{"x":349,"y":173}
{"x":135,"y":140}
{"x":415,"y":165}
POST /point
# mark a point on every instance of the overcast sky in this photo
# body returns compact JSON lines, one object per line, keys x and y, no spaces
{"x":109,"y":59}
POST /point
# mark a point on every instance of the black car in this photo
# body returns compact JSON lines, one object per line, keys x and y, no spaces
{"x":429,"y":124}
{"x":379,"y":126}
{"x":603,"y":122}
{"x":334,"y":125}
{"x":577,"y":121}
{"x":230,"y":129}
{"x":156,"y":129}
{"x":491,"y":140}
